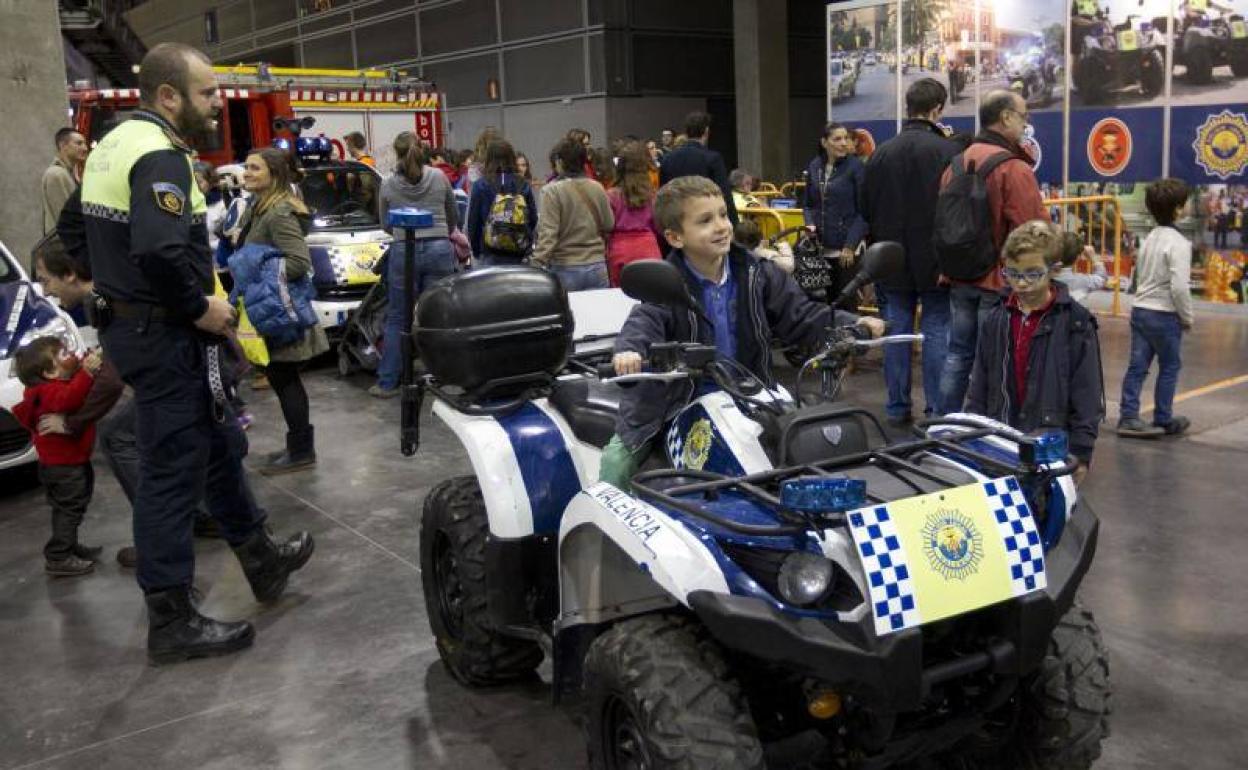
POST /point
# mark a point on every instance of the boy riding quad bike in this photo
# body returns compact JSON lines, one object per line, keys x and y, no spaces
{"x":780,"y":568}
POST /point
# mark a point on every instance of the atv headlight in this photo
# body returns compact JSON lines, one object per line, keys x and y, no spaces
{"x":804,"y":578}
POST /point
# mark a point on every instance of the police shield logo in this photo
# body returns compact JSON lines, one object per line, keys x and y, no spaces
{"x":1109,"y":146}
{"x":1222,"y":144}
{"x":169,"y":198}
{"x":698,"y":444}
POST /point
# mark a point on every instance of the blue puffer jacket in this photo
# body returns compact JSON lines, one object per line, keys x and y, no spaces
{"x":280,"y":310}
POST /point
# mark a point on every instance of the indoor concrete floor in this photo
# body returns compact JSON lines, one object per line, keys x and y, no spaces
{"x":344,"y":672}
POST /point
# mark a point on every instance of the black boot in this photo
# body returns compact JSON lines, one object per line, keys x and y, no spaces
{"x":300,"y":453}
{"x":176,"y":631}
{"x":268,"y":565}
{"x":206,"y":526}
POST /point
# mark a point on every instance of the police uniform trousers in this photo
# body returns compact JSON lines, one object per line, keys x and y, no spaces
{"x":185,"y":454}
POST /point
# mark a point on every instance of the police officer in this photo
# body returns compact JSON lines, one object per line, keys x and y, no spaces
{"x":160,"y":326}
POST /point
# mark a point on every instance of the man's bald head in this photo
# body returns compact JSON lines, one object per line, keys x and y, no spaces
{"x":994,"y":105}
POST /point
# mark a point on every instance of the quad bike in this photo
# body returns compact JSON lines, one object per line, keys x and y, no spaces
{"x":1034,"y":74}
{"x":1110,"y":58}
{"x":1203,"y":42}
{"x":725,"y":599}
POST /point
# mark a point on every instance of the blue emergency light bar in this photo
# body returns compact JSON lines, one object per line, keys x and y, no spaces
{"x":1051,"y":446}
{"x":817,"y":494}
{"x":409,"y":218}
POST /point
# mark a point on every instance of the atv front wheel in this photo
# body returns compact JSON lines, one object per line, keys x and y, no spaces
{"x":1153,"y":76}
{"x":661,"y":697}
{"x":1059,"y":717}
{"x":453,"y":531}
{"x":1199,"y":65}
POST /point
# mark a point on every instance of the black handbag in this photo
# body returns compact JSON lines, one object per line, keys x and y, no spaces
{"x":811,"y":270}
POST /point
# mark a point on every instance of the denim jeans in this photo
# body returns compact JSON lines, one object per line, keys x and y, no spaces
{"x":1153,"y":333}
{"x":496,"y":260}
{"x":433,"y":260}
{"x":968,"y":306}
{"x":898,"y":309}
{"x":581,"y":277}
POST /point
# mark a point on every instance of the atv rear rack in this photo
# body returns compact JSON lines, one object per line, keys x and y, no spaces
{"x":672,"y":487}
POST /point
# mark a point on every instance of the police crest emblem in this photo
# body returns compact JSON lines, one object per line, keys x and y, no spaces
{"x":1222,"y":144}
{"x":698,"y":444}
{"x":952,"y":544}
{"x":169,"y":198}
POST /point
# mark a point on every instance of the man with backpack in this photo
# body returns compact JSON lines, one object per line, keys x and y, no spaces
{"x":986,"y":192}
{"x":903,"y":175}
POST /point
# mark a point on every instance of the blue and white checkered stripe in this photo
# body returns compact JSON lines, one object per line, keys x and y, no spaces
{"x":676,"y":445}
{"x":888,"y":577}
{"x":1024,"y":552}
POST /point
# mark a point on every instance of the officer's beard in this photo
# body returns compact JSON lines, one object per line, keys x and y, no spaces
{"x":193,"y":125}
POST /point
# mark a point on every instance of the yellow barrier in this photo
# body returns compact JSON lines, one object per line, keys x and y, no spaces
{"x":766,"y":188}
{"x":792,"y":189}
{"x":1088,"y":216}
{"x":773,"y":221}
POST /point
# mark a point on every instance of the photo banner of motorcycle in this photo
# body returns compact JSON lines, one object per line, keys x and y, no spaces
{"x":1156,"y":86}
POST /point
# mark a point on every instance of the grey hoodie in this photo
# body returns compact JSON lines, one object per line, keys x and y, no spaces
{"x":432,"y":193}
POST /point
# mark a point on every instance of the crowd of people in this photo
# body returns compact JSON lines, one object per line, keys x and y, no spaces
{"x":131,"y":238}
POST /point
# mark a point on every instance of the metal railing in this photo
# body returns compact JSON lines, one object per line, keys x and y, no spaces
{"x":1097,"y":219}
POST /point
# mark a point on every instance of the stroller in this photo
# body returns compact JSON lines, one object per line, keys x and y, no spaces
{"x":360,"y":346}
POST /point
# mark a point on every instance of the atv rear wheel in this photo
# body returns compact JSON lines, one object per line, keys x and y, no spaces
{"x":1239,"y":64}
{"x":346,"y":365}
{"x":453,"y":531}
{"x":661,"y":697}
{"x":1059,"y":717}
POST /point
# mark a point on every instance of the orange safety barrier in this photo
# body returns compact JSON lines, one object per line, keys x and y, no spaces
{"x":1092,"y":216}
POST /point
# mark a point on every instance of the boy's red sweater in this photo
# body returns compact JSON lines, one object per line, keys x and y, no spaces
{"x":57,"y":397}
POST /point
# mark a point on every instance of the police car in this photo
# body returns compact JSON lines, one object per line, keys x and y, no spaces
{"x":346,"y":240}
{"x":25,"y":314}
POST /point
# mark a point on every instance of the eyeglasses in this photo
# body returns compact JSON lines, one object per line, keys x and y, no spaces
{"x":1025,"y":114}
{"x":1031,"y":276}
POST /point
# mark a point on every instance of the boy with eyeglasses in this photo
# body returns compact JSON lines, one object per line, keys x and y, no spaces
{"x":1038,"y":361}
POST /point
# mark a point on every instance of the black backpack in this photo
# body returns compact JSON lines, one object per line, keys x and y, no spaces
{"x":962,"y":235}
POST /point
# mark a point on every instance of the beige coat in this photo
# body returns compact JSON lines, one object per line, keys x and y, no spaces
{"x":284,"y":229}
{"x":59,"y":183}
{"x":567,"y":231}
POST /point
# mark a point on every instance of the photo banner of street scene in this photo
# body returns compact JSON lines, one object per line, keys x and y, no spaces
{"x":1117,"y":62}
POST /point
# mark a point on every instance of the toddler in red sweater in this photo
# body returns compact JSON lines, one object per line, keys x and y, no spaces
{"x":56,"y":382}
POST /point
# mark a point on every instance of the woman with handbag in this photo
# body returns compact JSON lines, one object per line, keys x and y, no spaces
{"x":573,"y":224}
{"x":417,"y":184}
{"x":278,"y":218}
{"x":830,"y":207}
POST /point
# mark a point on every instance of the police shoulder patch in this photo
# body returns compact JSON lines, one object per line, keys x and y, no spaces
{"x":169,"y":198}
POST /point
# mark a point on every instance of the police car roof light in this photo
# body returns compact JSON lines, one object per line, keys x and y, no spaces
{"x":819,"y":494}
{"x":409,"y":218}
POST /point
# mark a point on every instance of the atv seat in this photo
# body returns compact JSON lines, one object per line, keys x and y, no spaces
{"x":589,"y":406}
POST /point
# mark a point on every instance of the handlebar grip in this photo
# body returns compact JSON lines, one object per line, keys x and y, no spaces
{"x":603,"y":371}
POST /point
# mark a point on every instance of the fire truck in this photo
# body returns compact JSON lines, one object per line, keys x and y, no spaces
{"x":266,"y":105}
{"x":380,"y":104}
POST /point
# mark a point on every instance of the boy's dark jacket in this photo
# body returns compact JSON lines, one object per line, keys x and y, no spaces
{"x":768,"y":305}
{"x":1064,"y":385}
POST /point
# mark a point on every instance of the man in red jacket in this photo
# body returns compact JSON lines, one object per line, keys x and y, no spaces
{"x":56,"y":381}
{"x":1013,"y":198}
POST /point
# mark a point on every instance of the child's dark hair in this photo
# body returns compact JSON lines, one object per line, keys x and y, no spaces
{"x":748,"y":234}
{"x":36,"y":358}
{"x":1072,"y":247}
{"x":1164,"y":197}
